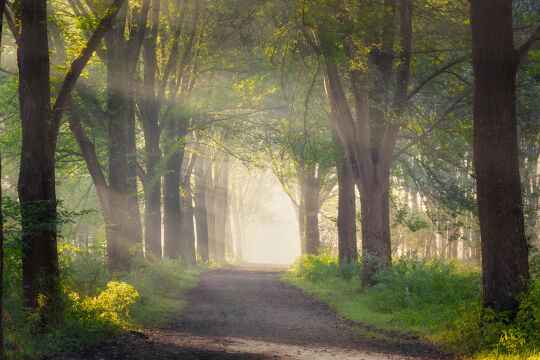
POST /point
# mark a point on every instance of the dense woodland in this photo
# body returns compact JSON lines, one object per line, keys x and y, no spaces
{"x":136,"y":133}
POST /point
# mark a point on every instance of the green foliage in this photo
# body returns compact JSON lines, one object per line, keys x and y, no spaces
{"x":110,"y":306}
{"x":436,"y":300}
{"x":433,"y":288}
{"x":96,"y":306}
{"x":324,"y":267}
{"x":481,"y":330}
{"x":88,"y":320}
{"x":86,"y":270}
{"x":161,"y":285}
{"x":413,"y":221}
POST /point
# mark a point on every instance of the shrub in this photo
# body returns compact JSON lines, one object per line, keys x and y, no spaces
{"x":324,"y":267}
{"x":424,"y":285}
{"x":480,"y":329}
{"x":110,"y":306}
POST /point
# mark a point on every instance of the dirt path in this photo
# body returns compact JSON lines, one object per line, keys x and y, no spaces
{"x":242,"y":313}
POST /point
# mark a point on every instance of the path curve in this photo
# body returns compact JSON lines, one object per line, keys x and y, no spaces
{"x":243,"y":313}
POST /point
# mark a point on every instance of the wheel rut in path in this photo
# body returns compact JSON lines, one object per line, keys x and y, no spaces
{"x":242,"y":313}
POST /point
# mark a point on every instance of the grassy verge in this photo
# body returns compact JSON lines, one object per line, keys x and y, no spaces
{"x":438,"y":302}
{"x":98,"y":305}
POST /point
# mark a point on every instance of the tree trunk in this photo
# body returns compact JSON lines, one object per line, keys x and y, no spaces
{"x":368,"y":130}
{"x":505,"y":267}
{"x":221,"y":206}
{"x":229,"y":247}
{"x":135,"y":227}
{"x":37,"y":178}
{"x":173,"y":242}
{"x":346,"y":222}
{"x":121,"y":58}
{"x":209,"y":190}
{"x":301,"y":222}
{"x":150,"y":121}
{"x":239,"y":234}
{"x":119,"y":241}
{"x":311,"y":215}
{"x":152,"y":192}
{"x":187,"y":227}
{"x":201,"y":218}
{"x":376,"y":248}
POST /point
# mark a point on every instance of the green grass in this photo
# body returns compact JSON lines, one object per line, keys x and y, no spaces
{"x":438,"y":302}
{"x":99,"y":306}
{"x":162,"y":286}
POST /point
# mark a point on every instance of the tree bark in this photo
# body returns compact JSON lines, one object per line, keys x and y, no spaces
{"x":173,"y":241}
{"x":238,"y":235}
{"x":346,"y":221}
{"x":310,"y":189}
{"x":152,"y":191}
{"x":221,"y":206}
{"x":119,"y":242}
{"x":150,"y":121}
{"x":209,"y":191}
{"x":301,"y":223}
{"x":505,"y":267}
{"x":229,"y":246}
{"x":134,"y":212}
{"x":201,"y":218}
{"x":188,"y":227}
{"x":376,"y":248}
{"x":36,"y":186}
{"x":125,"y":230}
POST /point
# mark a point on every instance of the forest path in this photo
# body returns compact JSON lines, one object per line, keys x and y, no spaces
{"x":242,"y":313}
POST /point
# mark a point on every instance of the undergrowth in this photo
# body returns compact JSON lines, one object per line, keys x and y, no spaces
{"x":97,"y":305}
{"x":437,"y":301}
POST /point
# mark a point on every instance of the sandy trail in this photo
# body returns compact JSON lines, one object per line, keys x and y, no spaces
{"x":242,"y":313}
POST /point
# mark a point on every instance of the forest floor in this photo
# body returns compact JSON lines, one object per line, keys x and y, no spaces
{"x":244,"y":312}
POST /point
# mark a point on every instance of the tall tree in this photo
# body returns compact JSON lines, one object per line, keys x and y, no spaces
{"x":149,"y":112}
{"x":221,"y":206}
{"x":201,"y":215}
{"x":40,"y":121}
{"x":505,"y":267}
{"x":176,"y":123}
{"x":371,"y":130}
{"x":187,"y":211}
{"x":121,"y":58}
{"x":346,"y":221}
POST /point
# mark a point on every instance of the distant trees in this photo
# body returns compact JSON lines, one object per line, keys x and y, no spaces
{"x":306,"y":173}
{"x":157,"y":102}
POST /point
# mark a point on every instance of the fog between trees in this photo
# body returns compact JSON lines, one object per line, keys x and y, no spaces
{"x":221,"y":131}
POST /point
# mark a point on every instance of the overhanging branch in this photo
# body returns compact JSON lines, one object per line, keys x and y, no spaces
{"x":80,"y":62}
